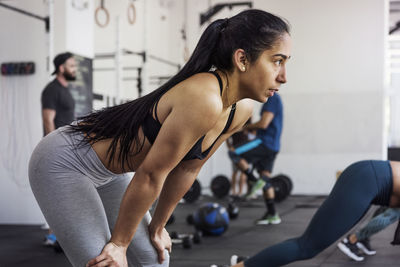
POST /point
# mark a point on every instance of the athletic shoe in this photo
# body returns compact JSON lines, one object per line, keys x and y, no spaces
{"x":263,"y":220}
{"x":269,"y":219}
{"x":249,"y":186}
{"x":274,"y":219}
{"x":255,"y":187}
{"x":235,"y":259}
{"x":365,"y":247}
{"x":50,"y":240}
{"x":350,"y":250}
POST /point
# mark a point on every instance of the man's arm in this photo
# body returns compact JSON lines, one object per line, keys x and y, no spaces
{"x":48,"y":116}
{"x":263,"y":123}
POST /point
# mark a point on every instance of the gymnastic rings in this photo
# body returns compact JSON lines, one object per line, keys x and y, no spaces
{"x":131,"y":12}
{"x":97,"y":12}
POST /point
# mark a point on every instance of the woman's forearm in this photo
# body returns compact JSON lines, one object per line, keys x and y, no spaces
{"x":176,"y":185}
{"x":139,"y":196}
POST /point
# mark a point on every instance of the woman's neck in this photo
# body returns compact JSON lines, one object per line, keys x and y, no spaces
{"x":230,"y":88}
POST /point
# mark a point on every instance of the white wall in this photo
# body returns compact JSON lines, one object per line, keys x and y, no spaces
{"x":105,"y":41}
{"x":74,"y":28}
{"x":394,"y":76}
{"x":155,"y":21}
{"x":25,"y":39}
{"x":79,"y":30}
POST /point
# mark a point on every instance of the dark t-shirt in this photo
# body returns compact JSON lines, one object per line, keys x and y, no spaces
{"x":59,"y":98}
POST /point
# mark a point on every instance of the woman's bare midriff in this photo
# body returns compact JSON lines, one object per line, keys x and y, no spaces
{"x":101,"y":149}
{"x":395,"y":198}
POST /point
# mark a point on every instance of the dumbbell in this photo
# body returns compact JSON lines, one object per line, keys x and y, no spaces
{"x":233,"y":210}
{"x":195,"y":237}
{"x":185,"y":240}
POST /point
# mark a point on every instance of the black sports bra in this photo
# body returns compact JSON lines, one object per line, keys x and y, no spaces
{"x":152,"y":126}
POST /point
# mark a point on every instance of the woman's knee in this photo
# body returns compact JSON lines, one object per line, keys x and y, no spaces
{"x":141,"y":251}
{"x":167,"y":258}
{"x":147,"y":258}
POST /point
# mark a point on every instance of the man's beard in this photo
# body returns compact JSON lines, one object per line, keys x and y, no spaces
{"x":69,"y":77}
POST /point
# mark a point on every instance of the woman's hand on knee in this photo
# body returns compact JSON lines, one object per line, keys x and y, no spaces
{"x":161,"y":242}
{"x":111,"y":256}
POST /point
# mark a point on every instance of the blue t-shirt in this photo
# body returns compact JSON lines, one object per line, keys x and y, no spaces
{"x":271,"y":136}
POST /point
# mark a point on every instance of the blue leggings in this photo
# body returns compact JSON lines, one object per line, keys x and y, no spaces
{"x":360,"y":185}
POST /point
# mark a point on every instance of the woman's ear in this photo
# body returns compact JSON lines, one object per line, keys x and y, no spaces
{"x":240,"y":60}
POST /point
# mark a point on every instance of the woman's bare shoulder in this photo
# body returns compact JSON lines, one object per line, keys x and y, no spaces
{"x":202,"y":83}
{"x":199,"y":92}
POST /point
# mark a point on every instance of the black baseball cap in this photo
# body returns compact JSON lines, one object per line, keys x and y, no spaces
{"x":60,"y":59}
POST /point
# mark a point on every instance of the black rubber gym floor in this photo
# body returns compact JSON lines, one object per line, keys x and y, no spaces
{"x":21,"y":245}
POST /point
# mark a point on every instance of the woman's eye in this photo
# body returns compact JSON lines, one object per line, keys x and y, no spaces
{"x":278,"y":62}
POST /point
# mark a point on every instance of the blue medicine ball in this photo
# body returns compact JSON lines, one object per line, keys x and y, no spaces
{"x":211,"y":219}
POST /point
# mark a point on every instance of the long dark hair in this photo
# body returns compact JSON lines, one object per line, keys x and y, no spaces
{"x":252,"y":30}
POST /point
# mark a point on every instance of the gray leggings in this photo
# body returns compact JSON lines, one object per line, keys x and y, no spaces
{"x":80,"y":200}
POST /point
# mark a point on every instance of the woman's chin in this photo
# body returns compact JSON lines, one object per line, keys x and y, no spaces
{"x":262,"y":99}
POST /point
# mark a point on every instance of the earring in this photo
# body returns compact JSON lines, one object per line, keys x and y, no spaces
{"x":243,"y":68}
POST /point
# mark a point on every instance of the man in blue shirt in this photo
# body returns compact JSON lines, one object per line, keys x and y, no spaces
{"x":262,"y":152}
